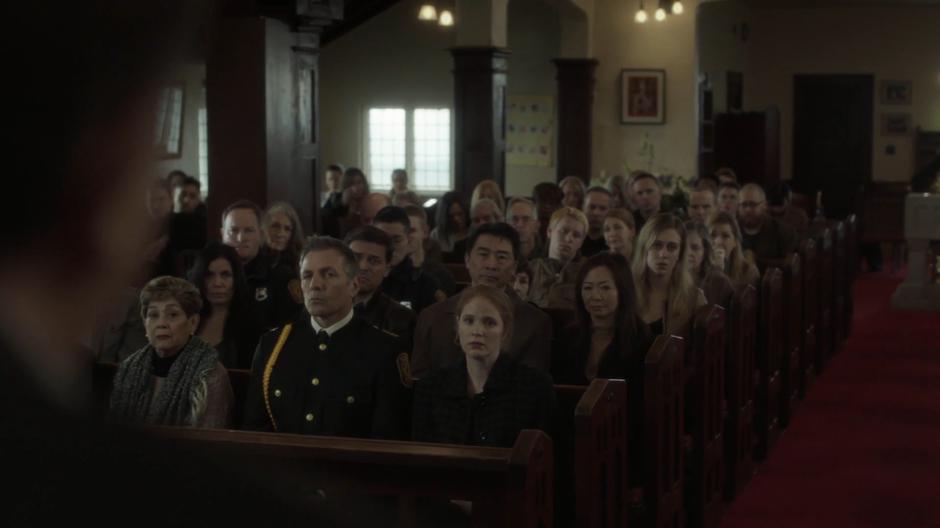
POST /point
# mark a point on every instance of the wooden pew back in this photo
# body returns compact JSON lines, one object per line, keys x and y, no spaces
{"x":792,"y":337}
{"x":839,"y":279}
{"x":810,"y":273}
{"x":705,"y":418}
{"x":739,"y":390}
{"x":509,"y":487}
{"x":664,"y":386}
{"x":770,"y":346}
{"x":851,"y":262}
{"x":824,"y":300}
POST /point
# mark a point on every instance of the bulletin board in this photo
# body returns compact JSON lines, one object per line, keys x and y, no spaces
{"x":530,"y":130}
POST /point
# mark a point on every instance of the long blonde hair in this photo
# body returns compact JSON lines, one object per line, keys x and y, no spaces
{"x":683,"y":294}
{"x":737,"y":265}
{"x":488,"y":189}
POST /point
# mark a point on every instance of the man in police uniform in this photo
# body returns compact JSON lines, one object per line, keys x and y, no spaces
{"x":373,"y":250}
{"x":330,"y":373}
{"x":491,"y":260}
{"x":274,"y":289}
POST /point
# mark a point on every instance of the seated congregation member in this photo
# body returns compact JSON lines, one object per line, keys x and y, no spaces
{"x":188,"y":225}
{"x":405,"y":283}
{"x":283,"y":234}
{"x":618,"y":195}
{"x":596,"y":206}
{"x":619,"y":232}
{"x":729,"y":195}
{"x":522,"y":216}
{"x":273,"y":290}
{"x":707,"y":276}
{"x":726,"y":175}
{"x":227,"y":321}
{"x":572,"y":188}
{"x":489,"y":189}
{"x":425,"y":252}
{"x":609,"y":340}
{"x":483,"y":211}
{"x":486,"y":397}
{"x":666,"y":295}
{"x":702,"y":205}
{"x":452,"y":221}
{"x":373,"y":250}
{"x":547,"y":197}
{"x":177,"y":378}
{"x":729,"y":253}
{"x":553,"y":276}
{"x":371,"y":205}
{"x":767,"y":237}
{"x":522,"y":280}
{"x":780,"y":208}
{"x":491,"y":260}
{"x":329,"y":372}
{"x":647,"y":195}
{"x":343,"y":210}
{"x":400,"y":194}
{"x":332,"y":178}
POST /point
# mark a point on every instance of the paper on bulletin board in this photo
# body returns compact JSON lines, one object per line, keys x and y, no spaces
{"x":530,"y":130}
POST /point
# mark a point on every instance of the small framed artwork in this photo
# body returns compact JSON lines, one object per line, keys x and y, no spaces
{"x":168,"y":132}
{"x":895,"y":124}
{"x":896,"y":92}
{"x":643,"y":97}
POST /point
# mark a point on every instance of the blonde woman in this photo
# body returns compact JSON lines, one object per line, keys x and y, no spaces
{"x":620,"y":232}
{"x":488,"y":189}
{"x":700,"y":258}
{"x":666,"y":294}
{"x":729,"y":255}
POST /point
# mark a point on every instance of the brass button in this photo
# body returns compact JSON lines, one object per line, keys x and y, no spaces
{"x":350,"y":400}
{"x":277,"y":393}
{"x":322,"y":346}
{"x":315,"y":381}
{"x":309,"y":417}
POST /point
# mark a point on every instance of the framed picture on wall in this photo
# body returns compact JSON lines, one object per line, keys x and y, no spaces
{"x":895,"y":124}
{"x":643,"y":97}
{"x":896,"y":92}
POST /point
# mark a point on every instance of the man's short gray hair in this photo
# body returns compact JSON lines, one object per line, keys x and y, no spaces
{"x":523,"y":200}
{"x":324,"y":243}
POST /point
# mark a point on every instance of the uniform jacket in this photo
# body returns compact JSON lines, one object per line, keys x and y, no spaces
{"x":411,"y":286}
{"x":553,"y":281}
{"x":383,"y":312}
{"x":349,"y":384}
{"x":515,"y":397}
{"x":270,"y":290}
{"x":435,"y":336}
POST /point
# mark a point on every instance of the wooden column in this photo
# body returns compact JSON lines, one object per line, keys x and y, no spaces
{"x":261,"y":97}
{"x":575,"y":116}
{"x":479,"y":116}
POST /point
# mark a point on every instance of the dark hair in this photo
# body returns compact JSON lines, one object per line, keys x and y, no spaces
{"x":174,"y":173}
{"x":392,"y":214}
{"x":547,"y":192}
{"x":701,"y":231}
{"x":238,"y":310}
{"x":627,"y":324}
{"x":778,"y":193}
{"x":496,"y":229}
{"x":326,"y":243}
{"x":373,"y":235}
{"x":108,"y":54}
{"x":597,"y":189}
{"x":730,"y":185}
{"x":349,"y":175}
{"x":643,"y":175}
{"x":189,"y":180}
{"x":335,"y":168}
{"x":707,"y":182}
{"x":244,"y":204}
{"x":442,"y":215}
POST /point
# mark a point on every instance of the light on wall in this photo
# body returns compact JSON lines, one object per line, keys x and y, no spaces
{"x":446,"y":19}
{"x":660,"y":14}
{"x":427,"y":12}
{"x":677,"y":8}
{"x":641,"y":16}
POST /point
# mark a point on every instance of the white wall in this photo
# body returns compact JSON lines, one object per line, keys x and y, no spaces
{"x":720,"y":45}
{"x":897,"y":43}
{"x":192,"y":76}
{"x":619,"y":43}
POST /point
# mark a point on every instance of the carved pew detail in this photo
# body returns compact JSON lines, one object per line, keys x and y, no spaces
{"x":810,"y":304}
{"x":770,"y":363}
{"x":739,"y":390}
{"x":663,"y":401}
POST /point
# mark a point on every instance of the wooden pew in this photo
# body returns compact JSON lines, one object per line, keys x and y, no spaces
{"x":739,"y":390}
{"x":509,"y":487}
{"x":770,"y":345}
{"x":663,"y":389}
{"x":704,"y":404}
{"x":851,"y":261}
{"x":839,"y":280}
{"x":792,"y":337}
{"x":810,"y":272}
{"x":824,"y":287}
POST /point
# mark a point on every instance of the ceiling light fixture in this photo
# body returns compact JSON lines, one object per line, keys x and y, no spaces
{"x":446,"y":19}
{"x":641,"y":16}
{"x":427,"y":12}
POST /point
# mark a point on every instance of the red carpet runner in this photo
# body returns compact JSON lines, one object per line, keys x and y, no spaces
{"x":864,"y":448}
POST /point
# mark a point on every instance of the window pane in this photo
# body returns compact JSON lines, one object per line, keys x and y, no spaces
{"x":203,"y":153}
{"x":432,"y":149}
{"x":386,"y":144}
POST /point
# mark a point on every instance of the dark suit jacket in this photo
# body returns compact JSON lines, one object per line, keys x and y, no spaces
{"x":435,"y":337}
{"x":775,"y":240}
{"x":385,"y":313}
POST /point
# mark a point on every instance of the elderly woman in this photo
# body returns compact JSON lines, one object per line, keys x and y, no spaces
{"x":487,"y":398}
{"x":177,"y":379}
{"x":666,"y":294}
{"x":283,"y":233}
{"x":729,"y":254}
{"x":227,"y":321}
{"x":619,"y":232}
{"x":700,"y":257}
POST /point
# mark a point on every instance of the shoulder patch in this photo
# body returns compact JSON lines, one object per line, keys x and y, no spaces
{"x":404,"y":370}
{"x":296,"y":293}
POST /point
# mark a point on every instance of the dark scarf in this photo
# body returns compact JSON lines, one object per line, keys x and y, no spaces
{"x":132,"y":399}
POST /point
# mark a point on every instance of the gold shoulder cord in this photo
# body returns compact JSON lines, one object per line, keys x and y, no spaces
{"x":269,"y":367}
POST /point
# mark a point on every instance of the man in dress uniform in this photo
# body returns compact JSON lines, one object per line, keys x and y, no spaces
{"x":329,"y":372}
{"x":373,"y":250}
{"x":491,"y":259}
{"x":554,"y":276}
{"x":405,"y":283}
{"x":274,"y":289}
